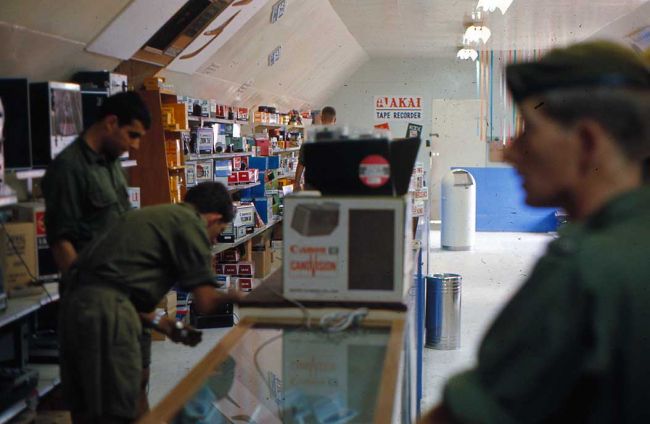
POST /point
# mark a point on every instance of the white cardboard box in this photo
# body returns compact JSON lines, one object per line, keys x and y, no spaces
{"x":347,"y":248}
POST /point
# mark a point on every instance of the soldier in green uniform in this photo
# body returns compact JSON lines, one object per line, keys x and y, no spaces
{"x":85,"y":188}
{"x":573,"y":344}
{"x":112,"y":291}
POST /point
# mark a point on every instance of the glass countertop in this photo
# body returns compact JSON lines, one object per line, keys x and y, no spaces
{"x":285,"y":374}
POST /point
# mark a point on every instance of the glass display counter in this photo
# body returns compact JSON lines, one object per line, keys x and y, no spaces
{"x":283,"y":372}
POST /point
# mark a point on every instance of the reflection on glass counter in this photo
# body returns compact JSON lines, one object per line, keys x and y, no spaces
{"x":290,"y":374}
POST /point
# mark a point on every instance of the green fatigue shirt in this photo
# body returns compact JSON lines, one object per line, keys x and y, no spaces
{"x":147,"y":251}
{"x":84,"y":194}
{"x":573,"y":345}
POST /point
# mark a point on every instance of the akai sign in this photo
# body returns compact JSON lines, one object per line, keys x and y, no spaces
{"x":398,"y":108}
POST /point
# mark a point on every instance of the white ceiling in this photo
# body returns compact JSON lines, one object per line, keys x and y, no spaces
{"x":431,"y":28}
{"x":323,"y":41}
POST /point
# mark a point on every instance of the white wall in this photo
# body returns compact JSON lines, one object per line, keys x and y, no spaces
{"x":430,"y":78}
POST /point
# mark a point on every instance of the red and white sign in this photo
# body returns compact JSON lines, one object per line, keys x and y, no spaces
{"x":313,"y":261}
{"x":398,"y":108}
{"x":374,"y":171}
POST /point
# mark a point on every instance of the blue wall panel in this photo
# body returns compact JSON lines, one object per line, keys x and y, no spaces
{"x":500,"y":204}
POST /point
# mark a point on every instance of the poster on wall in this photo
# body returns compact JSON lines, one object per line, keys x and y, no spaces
{"x":413,"y":130}
{"x":398,"y":108}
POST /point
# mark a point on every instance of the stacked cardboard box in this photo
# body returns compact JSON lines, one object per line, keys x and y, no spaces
{"x":18,"y":241}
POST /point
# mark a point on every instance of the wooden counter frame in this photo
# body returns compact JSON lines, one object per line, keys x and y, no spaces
{"x":167,"y":409}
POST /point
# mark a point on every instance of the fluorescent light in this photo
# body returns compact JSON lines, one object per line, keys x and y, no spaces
{"x":477,"y":33}
{"x":492,"y":5}
{"x":466,"y":54}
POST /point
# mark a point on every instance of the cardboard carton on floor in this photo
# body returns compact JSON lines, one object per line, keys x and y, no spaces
{"x":16,"y":273}
{"x":53,"y":417}
{"x":262,"y":260}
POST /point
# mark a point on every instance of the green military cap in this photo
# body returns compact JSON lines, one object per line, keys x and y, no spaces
{"x":588,"y":64}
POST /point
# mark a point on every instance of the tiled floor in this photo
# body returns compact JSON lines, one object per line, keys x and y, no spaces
{"x":491,"y":273}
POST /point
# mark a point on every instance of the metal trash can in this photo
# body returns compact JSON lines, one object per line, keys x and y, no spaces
{"x":458,"y":210}
{"x":443,"y":311}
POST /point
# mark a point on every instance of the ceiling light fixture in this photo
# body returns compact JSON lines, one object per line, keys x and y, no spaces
{"x":492,"y":5}
{"x":476,"y":33}
{"x":467,"y":53}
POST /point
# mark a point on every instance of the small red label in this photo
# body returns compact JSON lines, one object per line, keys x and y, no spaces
{"x":374,"y":171}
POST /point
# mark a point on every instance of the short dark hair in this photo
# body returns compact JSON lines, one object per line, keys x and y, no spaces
{"x":128,"y":107}
{"x":211,"y":197}
{"x":328,"y":113}
{"x":622,"y":112}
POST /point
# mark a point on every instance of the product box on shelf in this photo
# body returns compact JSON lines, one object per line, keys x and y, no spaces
{"x":222,"y":281}
{"x":248,"y":176}
{"x":218,"y":269}
{"x":225,"y":238}
{"x":264,"y":207}
{"x":221,"y":111}
{"x":232,"y":178}
{"x":263,"y":144}
{"x":245,"y":215}
{"x":347,"y":248}
{"x":15,"y":275}
{"x":222,"y":168}
{"x":237,"y":163}
{"x":230,"y":269}
{"x":190,"y":174}
{"x":205,"y":140}
{"x":205,"y":108}
{"x":230,"y":255}
{"x":242,"y":114}
{"x":245,"y":268}
{"x":204,"y":170}
{"x":262,"y":262}
{"x":34,"y":212}
{"x":244,"y":283}
{"x":212,"y":106}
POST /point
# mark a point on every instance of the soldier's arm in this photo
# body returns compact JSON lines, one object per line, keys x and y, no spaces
{"x":206,"y":298}
{"x":296,"y":183}
{"x":64,"y":254}
{"x":64,"y":190}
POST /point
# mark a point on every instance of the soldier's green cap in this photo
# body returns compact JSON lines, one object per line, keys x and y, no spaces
{"x":589,"y":65}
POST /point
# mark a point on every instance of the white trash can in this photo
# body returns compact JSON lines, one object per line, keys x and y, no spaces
{"x":458,"y":214}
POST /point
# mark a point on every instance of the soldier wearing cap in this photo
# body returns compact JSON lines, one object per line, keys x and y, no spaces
{"x":573,"y":343}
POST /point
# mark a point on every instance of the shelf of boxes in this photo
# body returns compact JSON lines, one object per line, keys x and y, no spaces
{"x":285,"y":151}
{"x":221,"y":247}
{"x":194,"y":157}
{"x":48,"y":379}
{"x":19,"y":307}
{"x":216,"y":120}
{"x":234,"y":188}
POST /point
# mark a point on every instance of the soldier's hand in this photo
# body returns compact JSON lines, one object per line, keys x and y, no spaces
{"x":185,"y":334}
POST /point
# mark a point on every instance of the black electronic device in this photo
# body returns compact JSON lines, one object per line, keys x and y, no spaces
{"x":44,"y":347}
{"x":56,"y":118}
{"x":14,"y":93}
{"x":16,"y":384}
{"x":91,"y":101}
{"x":105,"y":81}
{"x":360,"y":166}
{"x":222,"y":317}
{"x":313,"y":220}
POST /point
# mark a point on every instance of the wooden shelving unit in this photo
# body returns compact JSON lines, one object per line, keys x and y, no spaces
{"x":152,"y":174}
